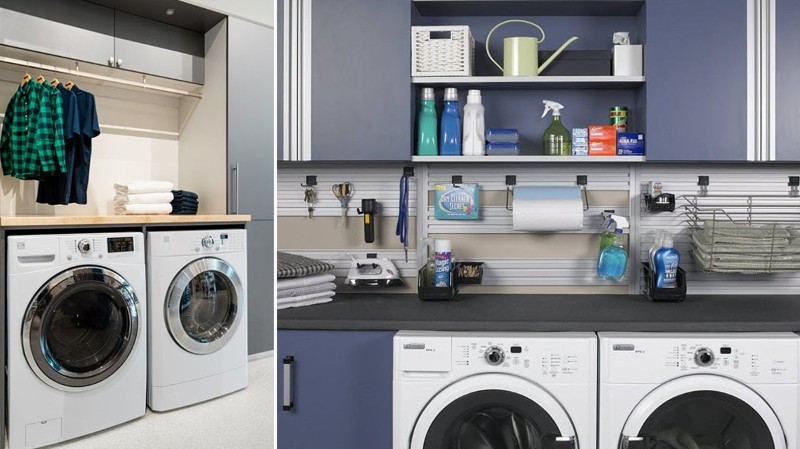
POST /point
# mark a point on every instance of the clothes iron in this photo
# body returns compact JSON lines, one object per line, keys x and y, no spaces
{"x":373,"y":272}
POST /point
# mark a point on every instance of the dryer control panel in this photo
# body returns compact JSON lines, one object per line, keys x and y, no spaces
{"x":547,"y":358}
{"x":754,"y":360}
{"x":201,"y":242}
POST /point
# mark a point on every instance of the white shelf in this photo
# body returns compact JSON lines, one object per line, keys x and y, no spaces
{"x":533,"y":82}
{"x":494,"y":159}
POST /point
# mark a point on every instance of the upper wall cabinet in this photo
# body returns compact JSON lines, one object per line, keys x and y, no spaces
{"x":786,"y":112}
{"x":139,"y":37}
{"x":697,"y":80}
{"x":348,"y":80}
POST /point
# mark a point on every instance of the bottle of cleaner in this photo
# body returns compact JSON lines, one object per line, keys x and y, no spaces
{"x":443,"y":257}
{"x":666,"y":263}
{"x":608,"y":236}
{"x":651,"y":251}
{"x":474,"y":141}
{"x":427,"y":139}
{"x":613,"y":260}
{"x":450,"y":131}
{"x":556,"y":140}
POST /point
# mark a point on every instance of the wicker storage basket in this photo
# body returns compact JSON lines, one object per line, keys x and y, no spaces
{"x":442,"y":51}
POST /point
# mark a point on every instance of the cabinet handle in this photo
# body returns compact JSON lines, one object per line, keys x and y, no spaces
{"x":119,"y":62}
{"x":111,"y":61}
{"x":287,"y":383}
{"x":235,"y":169}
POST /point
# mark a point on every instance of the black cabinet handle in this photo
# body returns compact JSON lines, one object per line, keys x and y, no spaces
{"x":288,"y":405}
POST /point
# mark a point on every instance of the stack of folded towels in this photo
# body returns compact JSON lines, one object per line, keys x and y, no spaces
{"x":143,"y":198}
{"x":184,"y":202}
{"x":303,"y":281}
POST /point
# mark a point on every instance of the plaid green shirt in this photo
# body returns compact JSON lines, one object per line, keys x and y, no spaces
{"x":32,"y":141}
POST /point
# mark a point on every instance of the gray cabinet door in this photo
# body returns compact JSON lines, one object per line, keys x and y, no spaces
{"x":360,"y":80}
{"x":146,"y":46}
{"x":77,"y":30}
{"x":260,"y":291}
{"x":787,"y":87}
{"x":250,"y":118}
{"x":696,"y":69}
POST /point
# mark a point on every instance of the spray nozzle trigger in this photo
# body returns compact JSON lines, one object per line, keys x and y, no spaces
{"x":552,"y":106}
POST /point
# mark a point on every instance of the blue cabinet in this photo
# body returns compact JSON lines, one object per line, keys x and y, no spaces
{"x":787,"y":88}
{"x":340,"y":389}
{"x":696,"y":89}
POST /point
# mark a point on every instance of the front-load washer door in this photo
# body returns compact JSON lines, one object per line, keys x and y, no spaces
{"x":703,"y":411}
{"x":203,"y":305}
{"x":494,"y":411}
{"x":80,"y":328}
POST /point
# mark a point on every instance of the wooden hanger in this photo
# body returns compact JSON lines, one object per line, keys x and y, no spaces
{"x":54,"y":82}
{"x":68,"y":85}
{"x":40,"y":79}
{"x":25,"y":79}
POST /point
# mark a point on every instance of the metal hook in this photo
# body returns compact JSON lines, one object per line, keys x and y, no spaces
{"x":582,"y":180}
{"x":511,"y":181}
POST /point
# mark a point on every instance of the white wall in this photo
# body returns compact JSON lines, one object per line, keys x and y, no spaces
{"x":259,"y":11}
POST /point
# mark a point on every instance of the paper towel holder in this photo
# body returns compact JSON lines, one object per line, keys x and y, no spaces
{"x":511,"y":181}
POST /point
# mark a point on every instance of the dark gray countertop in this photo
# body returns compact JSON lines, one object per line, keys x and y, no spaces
{"x":547,"y":313}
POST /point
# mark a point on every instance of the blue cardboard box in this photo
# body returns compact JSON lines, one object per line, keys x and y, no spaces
{"x":456,"y":202}
{"x":630,"y":144}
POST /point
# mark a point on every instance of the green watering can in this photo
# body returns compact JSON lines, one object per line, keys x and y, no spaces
{"x":521,"y":54}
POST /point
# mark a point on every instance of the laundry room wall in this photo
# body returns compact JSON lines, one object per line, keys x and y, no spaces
{"x":521,"y":262}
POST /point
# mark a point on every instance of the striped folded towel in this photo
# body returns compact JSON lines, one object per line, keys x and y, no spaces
{"x":294,"y":266}
{"x":143,"y":187}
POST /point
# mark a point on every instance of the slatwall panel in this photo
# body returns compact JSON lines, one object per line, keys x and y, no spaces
{"x":544,"y":272}
{"x":748,"y":179}
{"x":497,"y":219}
{"x":341,"y":259}
{"x":379,"y":182}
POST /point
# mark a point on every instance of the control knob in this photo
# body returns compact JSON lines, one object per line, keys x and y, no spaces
{"x":207,"y":242}
{"x":85,"y":246}
{"x":494,"y":356}
{"x":704,"y":357}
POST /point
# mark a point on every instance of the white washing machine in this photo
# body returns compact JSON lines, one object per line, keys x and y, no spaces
{"x":198,"y":316}
{"x":76,"y":335}
{"x":707,"y":391}
{"x":495,"y":390}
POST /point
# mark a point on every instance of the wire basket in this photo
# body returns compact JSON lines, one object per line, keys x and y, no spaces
{"x":442,"y":51}
{"x":744,"y":234}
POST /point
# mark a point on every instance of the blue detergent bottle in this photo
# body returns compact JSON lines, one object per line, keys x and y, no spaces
{"x":665,"y":264}
{"x":450,"y":131}
{"x":613,"y":260}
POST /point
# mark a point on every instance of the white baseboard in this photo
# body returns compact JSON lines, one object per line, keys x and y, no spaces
{"x":260,"y":355}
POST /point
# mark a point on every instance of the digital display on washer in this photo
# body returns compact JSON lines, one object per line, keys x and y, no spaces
{"x":120,"y":244}
{"x":724,"y":350}
{"x":516,"y":349}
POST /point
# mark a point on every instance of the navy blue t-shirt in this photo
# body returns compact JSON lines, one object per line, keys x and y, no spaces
{"x":89,"y":129}
{"x":56,"y":189}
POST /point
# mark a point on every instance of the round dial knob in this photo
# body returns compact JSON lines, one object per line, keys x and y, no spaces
{"x":207,"y":242}
{"x":85,"y":246}
{"x":704,"y":357}
{"x":494,"y":356}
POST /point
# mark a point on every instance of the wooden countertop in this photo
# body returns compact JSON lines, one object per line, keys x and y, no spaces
{"x":20,"y":221}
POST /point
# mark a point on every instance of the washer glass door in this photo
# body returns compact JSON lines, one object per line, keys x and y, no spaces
{"x":715,"y":413}
{"x":80,"y":327}
{"x":202,"y":305}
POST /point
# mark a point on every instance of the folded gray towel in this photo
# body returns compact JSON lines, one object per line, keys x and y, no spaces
{"x":293,"y":266}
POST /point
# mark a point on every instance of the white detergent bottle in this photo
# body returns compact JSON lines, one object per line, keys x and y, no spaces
{"x":473,"y":142}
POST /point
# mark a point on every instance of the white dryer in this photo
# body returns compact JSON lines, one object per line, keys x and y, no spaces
{"x":699,"y":390}
{"x":494,"y":390}
{"x":76,"y":335}
{"x":198,"y":316}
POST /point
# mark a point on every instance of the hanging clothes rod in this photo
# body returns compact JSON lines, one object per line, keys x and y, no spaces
{"x":78,"y":74}
{"x":154,"y":132}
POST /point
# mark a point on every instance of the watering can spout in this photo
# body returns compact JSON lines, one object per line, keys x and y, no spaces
{"x":558,"y":52}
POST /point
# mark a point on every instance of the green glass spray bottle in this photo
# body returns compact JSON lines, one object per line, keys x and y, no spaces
{"x":556,"y":140}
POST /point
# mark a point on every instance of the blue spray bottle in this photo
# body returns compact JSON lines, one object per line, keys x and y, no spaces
{"x":613,"y":259}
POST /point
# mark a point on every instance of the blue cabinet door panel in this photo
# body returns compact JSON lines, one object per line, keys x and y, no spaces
{"x":341,"y":390}
{"x":360,"y":80}
{"x":787,"y":66}
{"x":696,"y":69}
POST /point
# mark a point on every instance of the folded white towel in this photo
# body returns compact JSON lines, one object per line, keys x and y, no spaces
{"x":327,"y":294}
{"x":143,"y":198}
{"x":310,"y":290}
{"x":307,"y":302}
{"x":305,"y":281}
{"x":143,"y":209}
{"x":143,"y":187}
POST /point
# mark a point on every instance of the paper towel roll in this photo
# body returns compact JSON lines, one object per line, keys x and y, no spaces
{"x":546,"y":209}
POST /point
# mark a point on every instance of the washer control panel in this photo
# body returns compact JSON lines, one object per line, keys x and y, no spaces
{"x":547,"y":358}
{"x":757,"y":359}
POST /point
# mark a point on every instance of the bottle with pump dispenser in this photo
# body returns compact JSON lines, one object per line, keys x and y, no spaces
{"x":556,"y":139}
{"x":427,"y":139}
{"x":614,"y":221}
{"x":665,"y":263}
{"x":450,"y":131}
{"x":474,"y":141}
{"x":613,"y":259}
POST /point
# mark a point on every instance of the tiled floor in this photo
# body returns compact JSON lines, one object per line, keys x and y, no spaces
{"x":242,"y":420}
